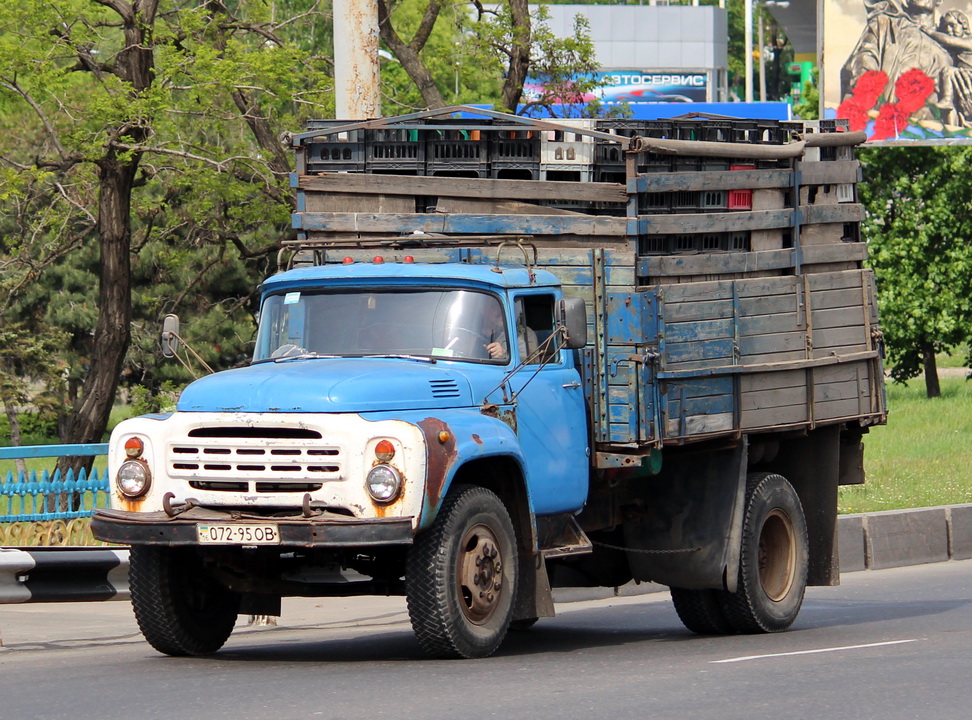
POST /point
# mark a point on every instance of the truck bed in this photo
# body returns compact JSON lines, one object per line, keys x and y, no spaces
{"x":723,"y":279}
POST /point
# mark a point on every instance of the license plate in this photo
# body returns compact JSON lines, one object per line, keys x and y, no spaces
{"x":238,"y":534}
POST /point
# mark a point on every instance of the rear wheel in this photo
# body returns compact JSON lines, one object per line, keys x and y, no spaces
{"x":701,"y":611}
{"x":773,"y":559}
{"x":461,"y":576}
{"x":179,"y":607}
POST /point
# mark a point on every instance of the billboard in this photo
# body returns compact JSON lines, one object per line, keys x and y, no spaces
{"x":899,"y":69}
{"x":635,"y":87}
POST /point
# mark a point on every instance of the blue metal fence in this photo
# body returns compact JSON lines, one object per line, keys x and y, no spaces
{"x":25,"y":497}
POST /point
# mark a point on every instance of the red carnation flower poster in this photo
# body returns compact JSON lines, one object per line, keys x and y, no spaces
{"x":900,"y":70}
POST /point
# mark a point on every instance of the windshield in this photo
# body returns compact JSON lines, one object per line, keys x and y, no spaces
{"x":458,"y":324}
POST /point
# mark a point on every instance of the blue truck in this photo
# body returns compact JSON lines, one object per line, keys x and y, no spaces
{"x":510,"y":355}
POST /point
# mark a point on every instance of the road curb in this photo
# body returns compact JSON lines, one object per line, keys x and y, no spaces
{"x":865,"y":541}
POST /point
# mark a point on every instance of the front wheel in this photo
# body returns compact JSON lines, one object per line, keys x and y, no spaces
{"x":179,"y":607}
{"x":773,"y":559}
{"x":461,"y":576}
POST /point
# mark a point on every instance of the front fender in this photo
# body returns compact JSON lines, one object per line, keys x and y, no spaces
{"x":456,"y":437}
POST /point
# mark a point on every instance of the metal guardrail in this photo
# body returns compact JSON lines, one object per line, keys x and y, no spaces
{"x":27,"y":497}
{"x":44,"y":574}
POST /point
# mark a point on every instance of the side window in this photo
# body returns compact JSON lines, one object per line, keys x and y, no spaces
{"x":535,"y":329}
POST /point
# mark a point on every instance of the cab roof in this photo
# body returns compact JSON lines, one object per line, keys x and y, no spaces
{"x":412,"y":273}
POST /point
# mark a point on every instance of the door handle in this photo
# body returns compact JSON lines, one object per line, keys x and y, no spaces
{"x":571,"y":385}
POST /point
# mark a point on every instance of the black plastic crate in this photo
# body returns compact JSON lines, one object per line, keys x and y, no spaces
{"x":515,"y":155}
{"x":335,"y":155}
{"x":456,"y":151}
{"x":395,"y":150}
{"x":654,"y":203}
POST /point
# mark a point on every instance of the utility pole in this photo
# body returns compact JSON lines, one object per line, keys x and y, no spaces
{"x":356,"y":95}
{"x":749,"y":50}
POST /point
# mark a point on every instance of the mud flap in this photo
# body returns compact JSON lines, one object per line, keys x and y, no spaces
{"x":688,"y":530}
{"x":533,"y":598}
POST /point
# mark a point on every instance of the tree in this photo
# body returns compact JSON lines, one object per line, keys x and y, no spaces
{"x":918,"y":227}
{"x":145,"y":133}
{"x":498,"y":41}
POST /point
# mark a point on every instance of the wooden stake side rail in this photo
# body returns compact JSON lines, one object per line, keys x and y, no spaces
{"x":805,"y":173}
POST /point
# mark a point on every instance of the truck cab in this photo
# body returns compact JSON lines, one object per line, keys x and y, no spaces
{"x":374,"y":388}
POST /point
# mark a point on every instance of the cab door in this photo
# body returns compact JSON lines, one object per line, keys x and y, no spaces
{"x":551,"y":418}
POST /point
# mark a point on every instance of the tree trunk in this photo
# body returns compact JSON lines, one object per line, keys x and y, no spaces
{"x":116,"y":178}
{"x":519,"y":55}
{"x":408,"y":53}
{"x":932,"y":387}
{"x":15,"y":437}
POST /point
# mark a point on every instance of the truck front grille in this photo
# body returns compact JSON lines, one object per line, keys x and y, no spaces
{"x":254,"y":459}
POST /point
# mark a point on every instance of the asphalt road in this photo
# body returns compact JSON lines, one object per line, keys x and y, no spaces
{"x":885,"y":644}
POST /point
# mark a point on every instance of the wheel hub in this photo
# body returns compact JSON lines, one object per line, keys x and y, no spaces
{"x":480,"y":574}
{"x":777,"y":555}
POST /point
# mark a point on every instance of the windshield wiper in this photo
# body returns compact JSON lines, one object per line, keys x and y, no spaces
{"x":419,"y":358}
{"x":301,"y":356}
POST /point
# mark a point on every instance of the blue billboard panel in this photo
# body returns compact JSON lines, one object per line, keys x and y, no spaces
{"x":629,"y":86}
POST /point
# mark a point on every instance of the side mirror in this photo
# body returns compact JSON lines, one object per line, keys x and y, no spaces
{"x":170,"y":335}
{"x":572,"y":317}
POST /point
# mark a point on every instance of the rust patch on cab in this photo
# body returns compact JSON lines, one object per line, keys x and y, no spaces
{"x":440,"y":457}
{"x":507,"y":416}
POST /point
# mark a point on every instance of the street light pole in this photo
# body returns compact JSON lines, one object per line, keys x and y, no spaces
{"x":356,"y":95}
{"x":749,"y":50}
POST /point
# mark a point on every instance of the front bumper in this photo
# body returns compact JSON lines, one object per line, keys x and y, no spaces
{"x":324,"y":530}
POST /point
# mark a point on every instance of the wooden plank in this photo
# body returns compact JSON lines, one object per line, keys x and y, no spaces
{"x":834,"y":253}
{"x":752,"y":325}
{"x":767,"y":286}
{"x":789,"y":357}
{"x":838,"y":317}
{"x":461,"y":224}
{"x":711,"y":352}
{"x":743,"y":262}
{"x":712,"y":180}
{"x":777,"y":343}
{"x":731,"y":221}
{"x":828,"y":172}
{"x":699,"y":425}
{"x":826,"y":392}
{"x":822,"y":301}
{"x":379,"y":203}
{"x":482,"y":206}
{"x":691,"y":390}
{"x":842,"y":213}
{"x":681,"y":265}
{"x":759,"y":382}
{"x":840,"y":409}
{"x":774,"y":417}
{"x":460,"y":187}
{"x":767,"y":399}
{"x":702,"y":291}
{"x":689,"y":311}
{"x":840,"y":373}
{"x":834,"y":281}
{"x":770,"y":304}
{"x":844,"y":338}
{"x":699,"y":331}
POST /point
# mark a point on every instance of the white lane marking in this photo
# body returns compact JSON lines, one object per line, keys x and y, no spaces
{"x":812,"y":652}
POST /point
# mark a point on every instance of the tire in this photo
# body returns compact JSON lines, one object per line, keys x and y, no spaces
{"x":773,"y":559}
{"x":461,"y":576}
{"x":180,"y":609}
{"x":701,"y":611}
{"x":524,"y":624}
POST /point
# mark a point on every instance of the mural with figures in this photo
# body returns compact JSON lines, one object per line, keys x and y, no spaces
{"x":900,"y":69}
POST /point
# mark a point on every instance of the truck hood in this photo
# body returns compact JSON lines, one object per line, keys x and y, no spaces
{"x":329,"y":385}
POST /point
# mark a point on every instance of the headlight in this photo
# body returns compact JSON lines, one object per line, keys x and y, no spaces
{"x":133,"y":478}
{"x":384,"y":483}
